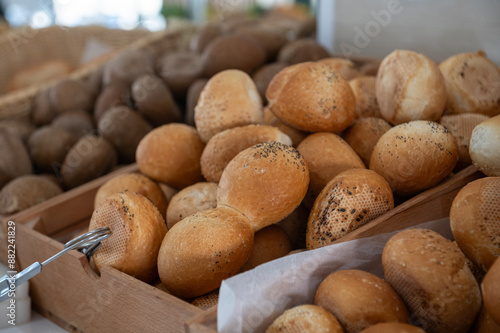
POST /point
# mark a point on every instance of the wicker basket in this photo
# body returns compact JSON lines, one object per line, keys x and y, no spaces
{"x":68,"y":45}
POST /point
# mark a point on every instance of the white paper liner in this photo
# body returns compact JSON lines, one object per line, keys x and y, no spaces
{"x":249,"y":302}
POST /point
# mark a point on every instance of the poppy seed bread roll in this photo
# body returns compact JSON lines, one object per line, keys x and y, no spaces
{"x":137,"y":230}
{"x":228,"y":100}
{"x":432,"y":277}
{"x":409,"y":87}
{"x":305,"y":318}
{"x":414,"y":156}
{"x":350,"y":200}
{"x":203,"y":249}
{"x":265,"y":182}
{"x":475,"y":221}
{"x":225,"y":145}
{"x":312,"y":97}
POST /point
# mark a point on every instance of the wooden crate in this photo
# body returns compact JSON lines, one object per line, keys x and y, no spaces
{"x":430,"y":205}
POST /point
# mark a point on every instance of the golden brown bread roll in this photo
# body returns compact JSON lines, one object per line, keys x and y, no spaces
{"x":269,"y":243}
{"x":203,"y":249}
{"x":414,"y":156}
{"x":363,"y":88}
{"x":393,"y":328}
{"x":484,"y":147}
{"x":359,"y":299}
{"x":225,"y":145}
{"x":344,"y":67}
{"x":327,"y":155}
{"x":229,"y":99}
{"x":350,"y":200}
{"x":171,"y":154}
{"x":472,"y":84}
{"x":409,"y":87}
{"x":431,"y":276}
{"x":296,"y":135}
{"x":491,"y":291}
{"x":311,"y":97}
{"x":133,"y":183}
{"x":363,"y":135}
{"x":265,"y":182}
{"x":301,"y":50}
{"x":475,"y":221}
{"x":461,"y":126}
{"x":137,"y":230}
{"x":305,"y":318}
{"x":192,"y":199}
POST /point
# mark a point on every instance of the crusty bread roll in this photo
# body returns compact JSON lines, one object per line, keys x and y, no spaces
{"x":393,"y":328}
{"x":327,"y":155}
{"x":472,"y":84}
{"x":363,"y":88}
{"x":134,"y":183}
{"x":360,"y":299}
{"x":344,"y":67}
{"x":431,"y":276}
{"x":491,"y":291}
{"x":269,"y":243}
{"x":363,"y":135}
{"x":225,"y":145}
{"x":305,"y":318}
{"x":229,"y":99}
{"x":461,"y":126}
{"x":263,"y":76}
{"x":409,"y":87}
{"x":208,"y":300}
{"x":475,"y":221}
{"x":137,"y":230}
{"x":414,"y":156}
{"x":349,"y":201}
{"x":265,"y":182}
{"x":296,"y":135}
{"x":311,"y":97}
{"x":203,"y":249}
{"x":485,"y":324}
{"x":484,"y":147}
{"x":26,"y":191}
{"x":171,"y":154}
{"x":192,"y":199}
{"x":302,"y":50}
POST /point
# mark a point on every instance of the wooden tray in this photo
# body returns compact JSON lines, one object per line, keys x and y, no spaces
{"x":430,"y":205}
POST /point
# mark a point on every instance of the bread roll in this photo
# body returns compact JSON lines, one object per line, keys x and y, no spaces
{"x":203,"y":249}
{"x":485,"y":324}
{"x":26,"y":191}
{"x":349,"y":201}
{"x":484,"y":147}
{"x":491,"y":291}
{"x":133,"y":183}
{"x":77,"y":122}
{"x":179,"y":70}
{"x":431,"y":276}
{"x":409,"y":87}
{"x":207,"y":301}
{"x":41,"y":110}
{"x":127,"y":66}
{"x":48,"y":146}
{"x":296,"y":135}
{"x":472,"y":84}
{"x":225,"y":145}
{"x":263,"y":76}
{"x":327,"y":155}
{"x":15,"y":159}
{"x":359,"y":299}
{"x":203,"y":36}
{"x":111,"y":96}
{"x":171,"y":154}
{"x":393,"y":328}
{"x":193,"y":94}
{"x":305,"y":318}
{"x":301,"y":50}
{"x":235,"y":51}
{"x":265,"y":182}
{"x":69,"y":95}
{"x":192,"y":199}
{"x":269,"y":243}
{"x":363,"y":88}
{"x":364,"y":134}
{"x":271,"y":40}
{"x":414,"y":156}
{"x":475,"y":221}
{"x":229,"y":99}
{"x":21,"y":129}
{"x":137,"y":230}
{"x":461,"y":126}
{"x":344,"y":67}
{"x":312,"y":97}
{"x":168,"y":191}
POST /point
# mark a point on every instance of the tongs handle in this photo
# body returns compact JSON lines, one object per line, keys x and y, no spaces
{"x":16,"y":280}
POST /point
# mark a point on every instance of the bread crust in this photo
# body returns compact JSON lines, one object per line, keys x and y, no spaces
{"x":484,"y":147}
{"x":305,"y":318}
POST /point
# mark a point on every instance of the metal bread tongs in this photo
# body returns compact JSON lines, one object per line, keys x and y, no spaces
{"x":87,"y":243}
